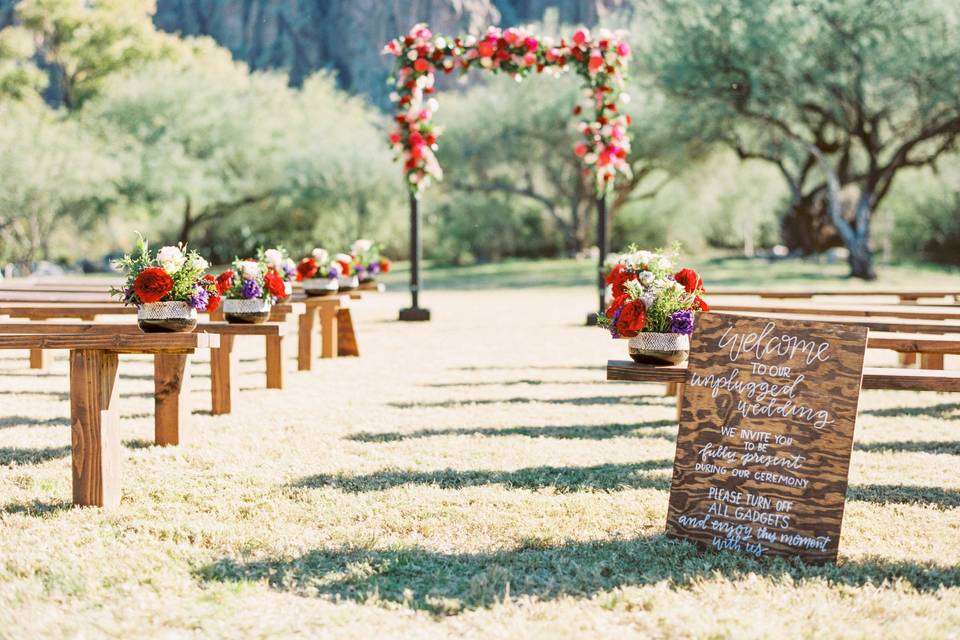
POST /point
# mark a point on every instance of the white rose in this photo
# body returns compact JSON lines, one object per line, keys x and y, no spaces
{"x":342,"y":257}
{"x":249,"y":270}
{"x":274,"y":258}
{"x":320,"y":255}
{"x":171,"y":259}
{"x":646,"y":278}
{"x":361,"y":246}
{"x":201,"y":263}
{"x":648,"y":299}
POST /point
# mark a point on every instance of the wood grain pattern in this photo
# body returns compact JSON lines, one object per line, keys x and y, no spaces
{"x":117,"y":342}
{"x":171,"y":379}
{"x":873,"y":323}
{"x":346,"y":336}
{"x":789,"y":500}
{"x":328,"y":331}
{"x":911,"y":312}
{"x":95,"y":428}
{"x":787,"y":294}
{"x":873,"y":377}
{"x":223,"y":384}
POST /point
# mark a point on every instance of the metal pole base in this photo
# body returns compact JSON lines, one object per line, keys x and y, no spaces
{"x":592,"y":319}
{"x":415,"y":314}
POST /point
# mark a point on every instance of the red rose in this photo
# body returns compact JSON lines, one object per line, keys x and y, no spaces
{"x":615,"y":305}
{"x":213,"y":302}
{"x":616,"y":278}
{"x":345,"y":267}
{"x":632,"y":320}
{"x":152,"y":284}
{"x":224,"y":282}
{"x":274,"y":284}
{"x":307,"y":268}
{"x":384,"y":265}
{"x":690,"y":280}
{"x":700,"y":304}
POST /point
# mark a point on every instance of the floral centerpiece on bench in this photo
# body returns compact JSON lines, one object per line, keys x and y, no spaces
{"x":249,"y":290}
{"x":367,"y":261}
{"x":318,"y":274}
{"x":279,"y":264}
{"x":168,"y":288}
{"x":654,"y":305}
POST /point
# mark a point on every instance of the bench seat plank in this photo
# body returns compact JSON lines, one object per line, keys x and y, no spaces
{"x":912,"y":312}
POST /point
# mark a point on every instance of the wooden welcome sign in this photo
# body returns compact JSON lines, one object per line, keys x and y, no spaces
{"x":765,"y":435}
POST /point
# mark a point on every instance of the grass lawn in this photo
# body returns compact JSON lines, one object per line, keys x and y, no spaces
{"x":473,"y":476}
{"x":721,"y":270}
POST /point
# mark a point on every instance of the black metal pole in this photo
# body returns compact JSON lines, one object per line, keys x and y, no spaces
{"x":603,"y":248}
{"x":415,"y":313}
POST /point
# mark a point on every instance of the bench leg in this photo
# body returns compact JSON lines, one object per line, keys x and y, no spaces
{"x":38,"y":359}
{"x":305,"y":340}
{"x":346,"y":336}
{"x":931,"y":361}
{"x":907,"y":359}
{"x":328,"y":331}
{"x":274,"y":362}
{"x":223,"y":384}
{"x":95,"y":428}
{"x":171,"y":379}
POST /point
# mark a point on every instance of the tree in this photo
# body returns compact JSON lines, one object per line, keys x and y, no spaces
{"x":85,"y":42}
{"x":501,"y":138}
{"x":53,"y":176}
{"x":20,"y":79}
{"x":839,"y":95}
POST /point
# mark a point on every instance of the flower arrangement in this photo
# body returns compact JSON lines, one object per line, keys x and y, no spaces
{"x":249,"y":280}
{"x":367,"y":260}
{"x":318,"y":265}
{"x":601,"y":59}
{"x":280,"y":273}
{"x":651,"y":295}
{"x":173,"y":274}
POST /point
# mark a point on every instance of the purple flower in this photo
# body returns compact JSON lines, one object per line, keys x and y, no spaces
{"x":361,"y":272}
{"x":613,"y":323}
{"x":290,"y":270}
{"x":333,"y":271}
{"x":681,"y":322}
{"x":251,"y":289}
{"x":199,"y":299}
{"x":373,"y":268}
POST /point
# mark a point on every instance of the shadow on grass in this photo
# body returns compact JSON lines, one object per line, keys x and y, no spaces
{"x":648,"y":474}
{"x":904,"y":494}
{"x":584,"y":401}
{"x":27,"y":421}
{"x":59,"y":395}
{"x":571,"y":432}
{"x":36,"y":507}
{"x":951,"y":447}
{"x":25,"y":455}
{"x":943,"y":411}
{"x":139,"y":443}
{"x":450,"y":583}
{"x":32,"y":373}
{"x":136,"y":376}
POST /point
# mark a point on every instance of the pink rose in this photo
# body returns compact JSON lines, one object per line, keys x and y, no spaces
{"x":580,"y":150}
{"x":580,"y":36}
{"x":623,"y":50}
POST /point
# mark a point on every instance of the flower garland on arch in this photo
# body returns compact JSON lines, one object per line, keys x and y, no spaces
{"x":600,"y":59}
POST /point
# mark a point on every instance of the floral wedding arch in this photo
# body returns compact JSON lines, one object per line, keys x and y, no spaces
{"x":600,"y":59}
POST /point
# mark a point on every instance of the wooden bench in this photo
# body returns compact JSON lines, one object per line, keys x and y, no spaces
{"x":337,"y":335}
{"x":223,"y":381}
{"x":94,"y":391}
{"x":903,"y":295}
{"x":909,"y":312}
{"x":90,"y":311}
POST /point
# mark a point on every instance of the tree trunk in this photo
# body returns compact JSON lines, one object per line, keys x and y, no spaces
{"x":187,"y":227}
{"x":861,"y":262}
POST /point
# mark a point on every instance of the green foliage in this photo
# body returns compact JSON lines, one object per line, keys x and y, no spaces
{"x":20,"y":79}
{"x":86,"y":42}
{"x":55,"y":178}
